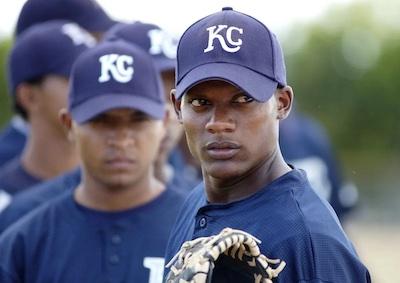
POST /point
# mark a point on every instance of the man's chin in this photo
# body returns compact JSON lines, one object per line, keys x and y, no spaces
{"x":119,"y":182}
{"x":223,"y":170}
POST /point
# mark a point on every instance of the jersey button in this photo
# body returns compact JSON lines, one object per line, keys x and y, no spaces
{"x":203,"y":222}
{"x":116,"y":239}
{"x":114,"y":259}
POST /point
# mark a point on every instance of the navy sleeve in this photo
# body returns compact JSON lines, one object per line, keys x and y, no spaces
{"x":11,"y":257}
{"x":42,"y":193}
{"x":5,"y":277}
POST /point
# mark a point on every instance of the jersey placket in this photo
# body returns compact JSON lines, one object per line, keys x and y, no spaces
{"x":114,"y":254}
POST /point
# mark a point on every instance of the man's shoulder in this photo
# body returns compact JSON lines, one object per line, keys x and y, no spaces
{"x":36,"y":196}
{"x":11,"y":175}
{"x":12,"y":142}
{"x":39,"y":220}
{"x":194,"y":200}
{"x":14,"y":178}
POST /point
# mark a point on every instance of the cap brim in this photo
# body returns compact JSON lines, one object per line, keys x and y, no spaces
{"x":254,"y":84}
{"x":90,"y":108}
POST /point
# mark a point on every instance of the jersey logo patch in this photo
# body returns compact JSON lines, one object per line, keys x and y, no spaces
{"x":156,"y":267}
{"x":214,"y":32}
{"x":120,"y":67}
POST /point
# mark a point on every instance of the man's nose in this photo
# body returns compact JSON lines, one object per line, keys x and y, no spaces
{"x":221,"y":120}
{"x":121,"y":137}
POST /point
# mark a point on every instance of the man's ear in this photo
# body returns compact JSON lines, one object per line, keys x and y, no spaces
{"x":284,"y":98}
{"x":177,"y":105}
{"x":66,"y":121}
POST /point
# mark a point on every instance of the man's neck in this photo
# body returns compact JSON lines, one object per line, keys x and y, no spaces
{"x":236,"y":188}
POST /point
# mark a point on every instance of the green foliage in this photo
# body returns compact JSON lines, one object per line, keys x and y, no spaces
{"x":5,"y":105}
{"x":345,"y":73}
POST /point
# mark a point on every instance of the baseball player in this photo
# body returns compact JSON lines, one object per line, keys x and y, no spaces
{"x":30,"y":199}
{"x":114,"y":226}
{"x":87,"y":14}
{"x":39,"y":65}
{"x":305,"y":144}
{"x":162,"y":47}
{"x":230,"y":95}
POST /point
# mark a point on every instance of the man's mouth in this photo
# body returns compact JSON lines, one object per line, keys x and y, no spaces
{"x":222,"y":150}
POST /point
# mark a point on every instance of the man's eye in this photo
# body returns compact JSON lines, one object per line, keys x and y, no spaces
{"x":244,"y":99}
{"x":197,"y":102}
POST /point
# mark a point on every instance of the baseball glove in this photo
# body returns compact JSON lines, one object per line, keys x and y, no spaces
{"x":234,"y":253}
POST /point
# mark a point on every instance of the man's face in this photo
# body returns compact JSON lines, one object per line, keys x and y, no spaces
{"x":118,"y":147}
{"x":230,"y":133}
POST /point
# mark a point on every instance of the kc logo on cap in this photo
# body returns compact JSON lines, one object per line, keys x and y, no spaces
{"x":125,"y":77}
{"x":162,"y":43}
{"x":233,"y":47}
{"x":119,"y":66}
{"x":214,"y":33}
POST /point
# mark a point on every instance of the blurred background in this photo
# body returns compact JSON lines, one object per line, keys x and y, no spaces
{"x":343,"y":62}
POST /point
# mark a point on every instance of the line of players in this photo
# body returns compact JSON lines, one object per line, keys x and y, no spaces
{"x":94,"y":164}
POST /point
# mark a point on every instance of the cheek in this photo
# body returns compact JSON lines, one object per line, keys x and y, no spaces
{"x":90,"y":147}
{"x":193,"y":129}
{"x":57,"y":92}
{"x":265,"y":133}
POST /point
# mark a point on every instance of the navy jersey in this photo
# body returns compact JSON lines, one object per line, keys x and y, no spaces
{"x":14,"y":178}
{"x":186,"y":176}
{"x":5,"y":200}
{"x":293,"y":223}
{"x":28,"y":200}
{"x":305,"y":144}
{"x":12,"y":139}
{"x":65,"y":242}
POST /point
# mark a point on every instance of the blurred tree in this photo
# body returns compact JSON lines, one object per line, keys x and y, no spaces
{"x":5,"y":105}
{"x":344,"y":69}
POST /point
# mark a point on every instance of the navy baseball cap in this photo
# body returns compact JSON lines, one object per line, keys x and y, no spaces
{"x":115,"y":74}
{"x":234,"y":47}
{"x":87,"y":13}
{"x":45,"y":49}
{"x":157,"y":42}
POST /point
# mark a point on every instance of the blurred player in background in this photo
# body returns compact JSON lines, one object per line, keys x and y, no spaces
{"x":87,"y":14}
{"x":162,"y":47}
{"x":114,"y":225}
{"x":39,"y":66}
{"x":305,"y":144}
